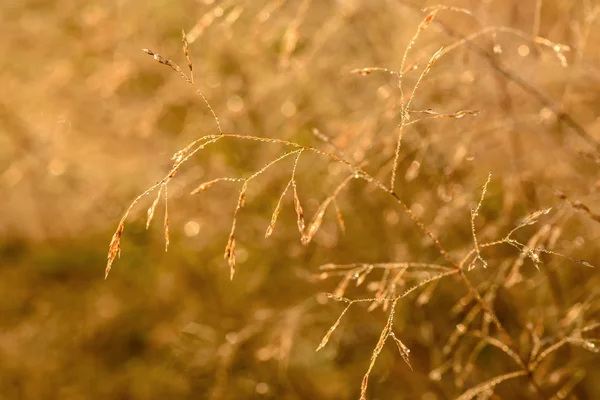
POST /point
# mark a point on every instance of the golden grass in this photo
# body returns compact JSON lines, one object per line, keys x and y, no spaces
{"x":439,"y":163}
{"x":492,"y":331}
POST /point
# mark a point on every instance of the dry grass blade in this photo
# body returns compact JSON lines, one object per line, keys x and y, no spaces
{"x":388,"y":266}
{"x":187,"y":152}
{"x":230,"y":254}
{"x":242,"y":198}
{"x":488,"y":340}
{"x":526,"y":251}
{"x":275,"y":214}
{"x":162,"y":60}
{"x":437,"y":373}
{"x":186,"y":54}
{"x":590,"y":327}
{"x":427,"y":294}
{"x":385,"y":333}
{"x":166,"y":223}
{"x":340,"y":217}
{"x":207,"y":185}
{"x":451,"y":8}
{"x":533,"y":252}
{"x":381,"y":293}
{"x":461,"y":329}
{"x":152,"y":208}
{"x":579,"y":206}
{"x":426,"y":281}
{"x":369,"y":70}
{"x":297,"y":206}
{"x":332,"y":329}
{"x":230,"y":248}
{"x":474,"y":214}
{"x":471,"y":393}
{"x":326,"y":139}
{"x":575,"y":260}
{"x":426,"y":70}
{"x":361,"y":276}
{"x":434,"y":115}
{"x":343,"y":285}
{"x":587,"y":344}
{"x":315,"y":224}
{"x":290,"y":38}
{"x":426,"y":22}
{"x":114,"y":249}
{"x":534,"y":217}
{"x":462,"y":304}
{"x":404,"y":351}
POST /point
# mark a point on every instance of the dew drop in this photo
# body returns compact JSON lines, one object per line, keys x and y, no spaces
{"x":523,"y":50}
{"x":262,"y":388}
{"x":435,"y":375}
{"x":191,"y":228}
{"x":235,"y":104}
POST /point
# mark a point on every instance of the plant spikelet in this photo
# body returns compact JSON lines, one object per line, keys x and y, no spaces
{"x":230,"y":254}
{"x":152,"y":208}
{"x":332,"y":329}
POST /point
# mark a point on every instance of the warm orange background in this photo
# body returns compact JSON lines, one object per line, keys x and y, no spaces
{"x":88,"y":121}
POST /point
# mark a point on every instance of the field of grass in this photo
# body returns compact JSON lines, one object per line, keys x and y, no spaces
{"x":410,"y":206}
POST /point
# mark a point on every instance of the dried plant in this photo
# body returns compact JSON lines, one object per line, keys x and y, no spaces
{"x":390,"y":283}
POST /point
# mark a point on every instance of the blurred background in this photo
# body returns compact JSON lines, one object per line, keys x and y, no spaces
{"x":88,"y":121}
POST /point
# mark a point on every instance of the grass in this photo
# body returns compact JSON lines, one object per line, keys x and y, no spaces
{"x":389,"y":283}
{"x":410,"y":189}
